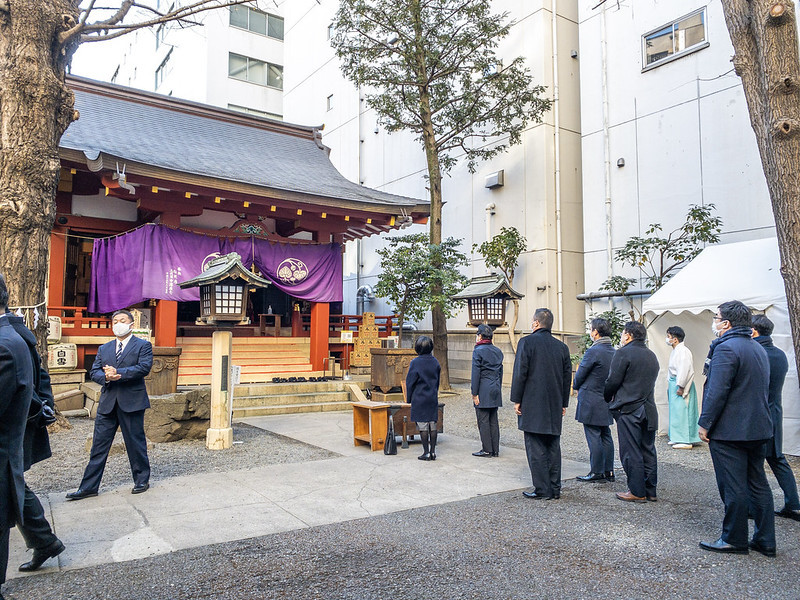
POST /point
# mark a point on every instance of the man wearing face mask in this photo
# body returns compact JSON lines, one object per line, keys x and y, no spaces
{"x":120,"y":367}
{"x":630,"y":393}
{"x":681,"y":392}
{"x":736,"y":423}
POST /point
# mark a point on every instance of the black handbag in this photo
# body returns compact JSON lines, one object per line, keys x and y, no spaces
{"x":390,"y":445}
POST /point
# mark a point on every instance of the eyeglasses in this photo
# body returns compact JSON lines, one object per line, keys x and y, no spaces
{"x":719,"y":319}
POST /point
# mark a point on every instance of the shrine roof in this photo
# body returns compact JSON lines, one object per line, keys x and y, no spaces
{"x":119,"y":124}
{"x":486,"y":286}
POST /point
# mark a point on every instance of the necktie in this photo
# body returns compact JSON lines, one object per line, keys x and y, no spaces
{"x":119,"y":351}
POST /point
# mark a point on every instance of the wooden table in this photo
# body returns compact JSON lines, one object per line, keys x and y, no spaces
{"x":370,"y":424}
{"x":275,"y":327}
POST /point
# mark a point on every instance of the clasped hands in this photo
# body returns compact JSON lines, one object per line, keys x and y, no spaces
{"x":111,"y":373}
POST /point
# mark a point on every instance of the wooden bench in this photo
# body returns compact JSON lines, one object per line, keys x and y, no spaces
{"x":370,"y":424}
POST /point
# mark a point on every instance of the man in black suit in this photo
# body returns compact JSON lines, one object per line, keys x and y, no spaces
{"x":630,"y":392}
{"x":736,"y":423}
{"x":33,"y":526}
{"x":120,"y":367}
{"x":540,"y":393}
{"x":778,"y":367}
{"x":16,"y":390}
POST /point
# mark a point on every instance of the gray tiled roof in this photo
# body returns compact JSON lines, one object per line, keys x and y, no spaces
{"x":487,"y":285}
{"x":193,"y":138}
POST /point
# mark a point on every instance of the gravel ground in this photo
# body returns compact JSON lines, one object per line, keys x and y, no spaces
{"x":500,"y":546}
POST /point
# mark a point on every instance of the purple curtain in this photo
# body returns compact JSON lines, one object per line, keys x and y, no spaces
{"x":151,"y":261}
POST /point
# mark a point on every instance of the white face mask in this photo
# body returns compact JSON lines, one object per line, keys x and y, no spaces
{"x":715,"y":329}
{"x":668,"y":341}
{"x":121,"y":329}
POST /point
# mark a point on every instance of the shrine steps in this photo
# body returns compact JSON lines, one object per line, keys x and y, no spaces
{"x":292,"y":398}
{"x":261,"y":359}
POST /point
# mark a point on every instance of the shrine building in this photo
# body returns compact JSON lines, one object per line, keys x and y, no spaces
{"x":152,"y":188}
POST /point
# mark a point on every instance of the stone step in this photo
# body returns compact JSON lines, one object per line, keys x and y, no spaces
{"x":290,"y":399}
{"x":262,"y":411}
{"x":272,"y":389}
{"x":205,"y":378}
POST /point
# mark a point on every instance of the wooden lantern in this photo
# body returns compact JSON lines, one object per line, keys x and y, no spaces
{"x":486,"y":299}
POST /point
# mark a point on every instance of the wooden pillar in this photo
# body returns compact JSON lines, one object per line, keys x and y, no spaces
{"x":58,"y":261}
{"x":166,"y":317}
{"x":320,"y":321}
{"x":219,"y":434}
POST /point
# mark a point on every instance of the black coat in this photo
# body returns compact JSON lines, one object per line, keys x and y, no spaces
{"x":129,"y":392}
{"x":778,"y":367}
{"x":487,"y":375}
{"x":36,"y":444}
{"x":631,"y":382}
{"x":736,"y":393}
{"x":541,"y":382}
{"x":422,"y":388}
{"x":16,"y":389}
{"x":590,"y":380}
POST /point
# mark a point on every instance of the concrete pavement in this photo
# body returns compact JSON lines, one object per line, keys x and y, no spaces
{"x":198,"y":510}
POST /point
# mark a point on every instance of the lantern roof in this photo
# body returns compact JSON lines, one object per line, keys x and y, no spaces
{"x":488,"y":286}
{"x":228,"y":266}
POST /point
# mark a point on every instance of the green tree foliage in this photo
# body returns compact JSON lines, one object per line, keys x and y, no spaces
{"x":430,"y":67}
{"x":658,"y":256}
{"x":412,"y":282}
{"x":615,"y":317}
{"x":502,"y":251}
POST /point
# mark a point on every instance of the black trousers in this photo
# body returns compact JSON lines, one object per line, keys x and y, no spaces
{"x":105,"y":426}
{"x":785,"y":476}
{"x":4,"y":531}
{"x":637,"y":452}
{"x":544,"y":460}
{"x":36,"y":530}
{"x":601,"y":447}
{"x":743,"y":487}
{"x":489,"y":429}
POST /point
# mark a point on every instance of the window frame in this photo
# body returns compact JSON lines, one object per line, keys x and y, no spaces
{"x":267,"y":66}
{"x":267,"y":15}
{"x":162,"y":70}
{"x":675,"y":55}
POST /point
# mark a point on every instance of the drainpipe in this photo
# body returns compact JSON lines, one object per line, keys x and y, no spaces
{"x":489,"y":214}
{"x":557,"y":164}
{"x":606,"y":146}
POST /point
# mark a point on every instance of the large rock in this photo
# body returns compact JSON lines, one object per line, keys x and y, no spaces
{"x":179,"y":416}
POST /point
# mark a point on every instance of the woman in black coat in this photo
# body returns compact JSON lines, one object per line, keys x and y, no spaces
{"x":487,"y":390}
{"x":422,"y":391}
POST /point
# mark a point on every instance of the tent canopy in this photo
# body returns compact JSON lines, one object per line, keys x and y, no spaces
{"x":747,"y":271}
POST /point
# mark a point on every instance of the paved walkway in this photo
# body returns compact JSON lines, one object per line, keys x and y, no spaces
{"x":208,"y":508}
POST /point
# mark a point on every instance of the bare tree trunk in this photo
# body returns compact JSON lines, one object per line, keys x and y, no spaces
{"x":512,"y":327}
{"x":35,"y":110}
{"x":764,"y":36}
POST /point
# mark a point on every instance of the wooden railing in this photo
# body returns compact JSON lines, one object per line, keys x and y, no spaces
{"x":75,"y":321}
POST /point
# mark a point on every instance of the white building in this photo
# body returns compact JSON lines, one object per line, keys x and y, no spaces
{"x":541,"y":195}
{"x":234,"y":59}
{"x":664,"y":126}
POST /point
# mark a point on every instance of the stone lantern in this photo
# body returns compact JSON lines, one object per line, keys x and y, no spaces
{"x":486,"y":299}
{"x":223,"y":303}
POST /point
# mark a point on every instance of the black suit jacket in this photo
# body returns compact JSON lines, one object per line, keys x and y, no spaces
{"x":541,"y":382}
{"x":16,"y":389}
{"x":631,"y":381}
{"x":36,"y":444}
{"x":129,"y":392}
{"x":778,"y":367}
{"x":487,"y":375}
{"x":590,"y":380}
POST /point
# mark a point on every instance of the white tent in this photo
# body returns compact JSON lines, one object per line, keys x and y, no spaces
{"x":746,"y":271}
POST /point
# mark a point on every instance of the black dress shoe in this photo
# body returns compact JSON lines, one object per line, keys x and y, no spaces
{"x":426,"y":456}
{"x":495,"y":454}
{"x":140,"y":487}
{"x":765,"y":550}
{"x":609,"y":475}
{"x":788,"y":513}
{"x":42,"y":554}
{"x":482,"y":454}
{"x":724,"y":547}
{"x":433,"y":455}
{"x":535,"y":496}
{"x":591,"y":477}
{"x":80,"y":494}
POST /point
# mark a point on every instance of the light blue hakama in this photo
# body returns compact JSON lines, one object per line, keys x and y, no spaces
{"x":682,"y":416}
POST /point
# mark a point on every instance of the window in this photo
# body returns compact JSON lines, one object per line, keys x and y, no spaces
{"x":675,"y":39}
{"x":163,"y":69}
{"x":255,"y":71}
{"x":115,"y":75}
{"x":330,"y":102}
{"x":256,"y":112}
{"x":331,"y":31}
{"x":256,"y":21}
{"x":160,"y":35}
